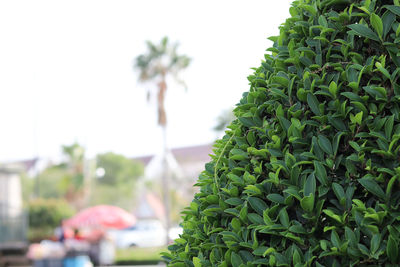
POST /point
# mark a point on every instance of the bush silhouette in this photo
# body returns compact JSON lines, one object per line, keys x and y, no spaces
{"x":308,"y":174}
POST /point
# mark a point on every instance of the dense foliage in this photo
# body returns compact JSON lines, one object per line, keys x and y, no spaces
{"x":308,"y":174}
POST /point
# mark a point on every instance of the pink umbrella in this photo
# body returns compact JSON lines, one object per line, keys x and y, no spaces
{"x":102,"y":216}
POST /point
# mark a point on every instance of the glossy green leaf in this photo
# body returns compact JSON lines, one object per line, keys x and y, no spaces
{"x":333,"y":89}
{"x":260,"y":251}
{"x":372,"y":186}
{"x":377,"y":23}
{"x":382,"y":70}
{"x":247,"y":121}
{"x":320,"y":173}
{"x":310,"y":185}
{"x":276,"y":198}
{"x":236,"y":260}
{"x":257,"y":204}
{"x":394,"y":9}
{"x":332,"y":215}
{"x":284,"y":218}
{"x":364,"y":31}
{"x":313,"y":104}
{"x":196,"y":262}
{"x":339,"y":192}
{"x":307,"y":203}
{"x":255,"y":218}
{"x":376,"y":91}
{"x":392,"y":249}
{"x":325,"y":144}
{"x":375,"y":243}
{"x":388,"y":19}
{"x":389,"y":127}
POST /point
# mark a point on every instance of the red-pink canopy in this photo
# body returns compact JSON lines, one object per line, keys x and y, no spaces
{"x":102,"y":216}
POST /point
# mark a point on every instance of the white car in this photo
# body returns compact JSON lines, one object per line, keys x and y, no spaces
{"x":145,"y":233}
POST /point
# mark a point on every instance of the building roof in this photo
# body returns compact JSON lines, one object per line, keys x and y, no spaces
{"x":200,"y":153}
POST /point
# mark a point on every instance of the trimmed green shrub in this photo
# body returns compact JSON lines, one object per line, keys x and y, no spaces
{"x":308,"y":174}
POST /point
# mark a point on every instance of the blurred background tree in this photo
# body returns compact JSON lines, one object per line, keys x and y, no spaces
{"x":160,"y":63}
{"x":70,"y":180}
{"x":66,"y":179}
{"x":45,"y":215}
{"x":118,"y":169}
{"x":117,"y":180}
{"x":53,"y":182}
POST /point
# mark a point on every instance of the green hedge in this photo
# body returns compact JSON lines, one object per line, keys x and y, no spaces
{"x":45,"y":215}
{"x":308,"y":174}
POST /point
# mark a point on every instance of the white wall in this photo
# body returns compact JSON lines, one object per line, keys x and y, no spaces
{"x":10,"y":194}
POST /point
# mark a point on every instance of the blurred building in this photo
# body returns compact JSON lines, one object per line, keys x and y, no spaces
{"x":150,"y":206}
{"x":184,"y":165}
{"x":184,"y":162}
{"x":13,"y":220}
{"x":30,"y":167}
{"x":10,"y":192}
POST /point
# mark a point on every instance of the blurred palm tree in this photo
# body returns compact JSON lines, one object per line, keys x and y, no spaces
{"x":160,"y":62}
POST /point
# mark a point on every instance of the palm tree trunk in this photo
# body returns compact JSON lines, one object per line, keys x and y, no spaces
{"x":162,"y":121}
{"x":165,"y":184}
{"x":162,"y":115}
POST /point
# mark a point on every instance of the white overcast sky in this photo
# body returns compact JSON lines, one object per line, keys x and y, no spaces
{"x":66,"y":71}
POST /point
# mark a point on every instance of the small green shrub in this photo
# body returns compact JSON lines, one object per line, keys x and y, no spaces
{"x":308,"y":174}
{"x":45,"y":215}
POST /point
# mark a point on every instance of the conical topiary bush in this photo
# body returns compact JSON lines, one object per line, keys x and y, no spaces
{"x":308,"y":174}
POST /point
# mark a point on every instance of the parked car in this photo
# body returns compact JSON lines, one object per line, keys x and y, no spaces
{"x":145,"y":233}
